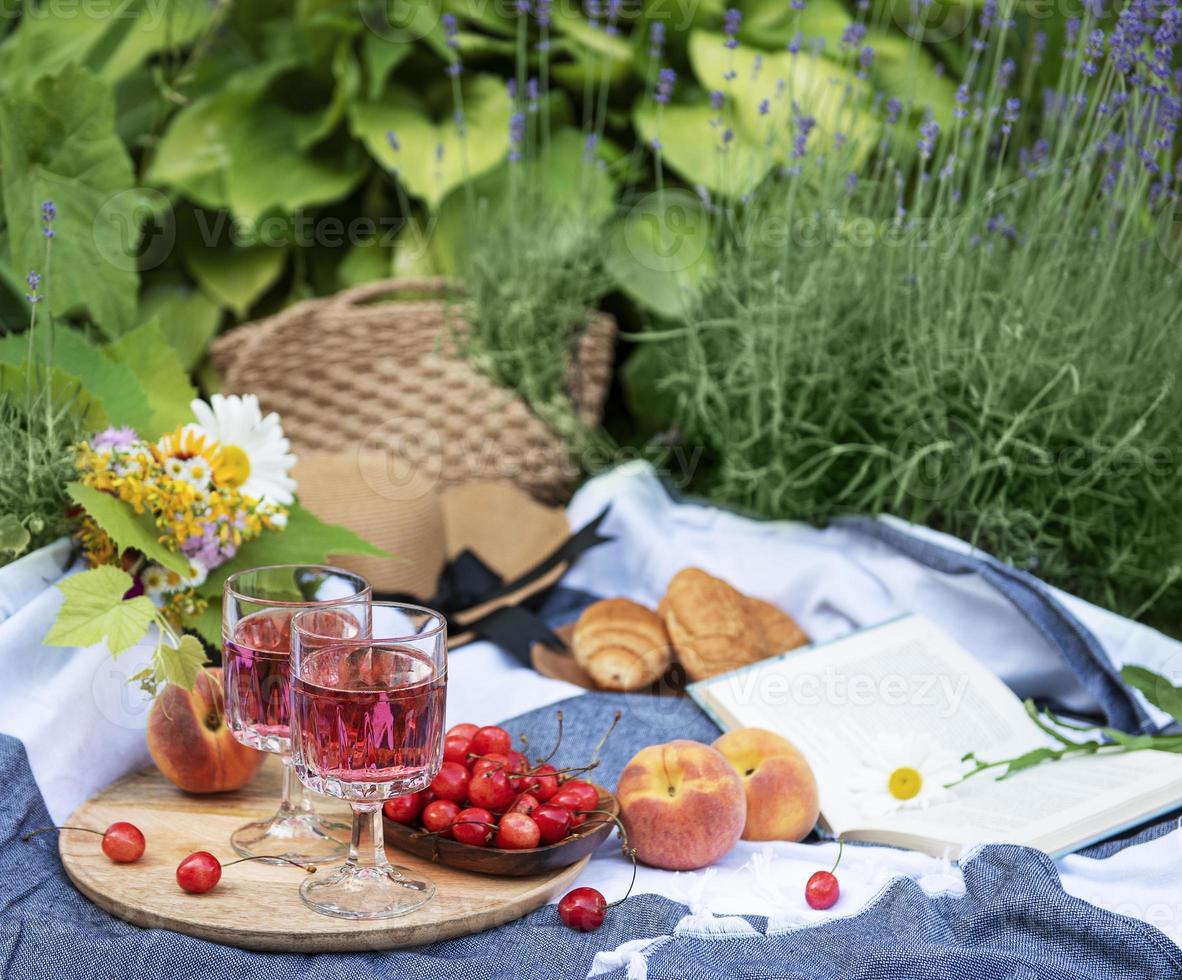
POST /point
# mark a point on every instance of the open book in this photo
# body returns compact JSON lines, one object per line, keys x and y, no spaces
{"x":903,"y":700}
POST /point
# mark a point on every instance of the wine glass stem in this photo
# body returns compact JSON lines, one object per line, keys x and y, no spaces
{"x":291,"y":787}
{"x":375,"y":857}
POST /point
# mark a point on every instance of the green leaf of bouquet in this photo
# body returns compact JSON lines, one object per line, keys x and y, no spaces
{"x":1029,"y":760}
{"x":305,"y":540}
{"x":181,"y":664}
{"x":187,"y":317}
{"x":434,"y":157}
{"x":64,"y":391}
{"x":1158,"y":690}
{"x":234,"y":277}
{"x":166,"y":383}
{"x":126,"y":528}
{"x":58,"y":142}
{"x":661,"y":251}
{"x":94,"y":609}
{"x":14,"y":536}
{"x":113,"y":385}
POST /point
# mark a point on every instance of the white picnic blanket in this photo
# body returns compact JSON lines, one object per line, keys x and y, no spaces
{"x":83,"y":725}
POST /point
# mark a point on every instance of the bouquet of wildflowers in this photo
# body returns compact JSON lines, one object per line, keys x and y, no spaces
{"x":204,"y":496}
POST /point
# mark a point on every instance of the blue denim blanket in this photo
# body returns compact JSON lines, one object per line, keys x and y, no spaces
{"x":1014,"y":921}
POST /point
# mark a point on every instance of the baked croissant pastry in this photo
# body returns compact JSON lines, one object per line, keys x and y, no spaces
{"x":712,"y":624}
{"x":780,"y":631}
{"x":621,"y":644}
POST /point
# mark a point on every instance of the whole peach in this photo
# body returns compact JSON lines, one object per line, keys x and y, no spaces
{"x":190,"y":743}
{"x":781,"y":791}
{"x":682,"y":805}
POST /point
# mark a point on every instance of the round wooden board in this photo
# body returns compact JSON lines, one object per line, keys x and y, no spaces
{"x":561,"y":666}
{"x":257,"y":905}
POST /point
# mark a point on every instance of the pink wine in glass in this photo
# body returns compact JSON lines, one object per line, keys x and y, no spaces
{"x":257,"y":665}
{"x":368,"y":722}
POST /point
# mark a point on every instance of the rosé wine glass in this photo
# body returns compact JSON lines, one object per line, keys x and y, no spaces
{"x":257,"y":610}
{"x":366,"y":726}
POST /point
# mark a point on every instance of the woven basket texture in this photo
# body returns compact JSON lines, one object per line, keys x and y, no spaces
{"x":375,"y":369}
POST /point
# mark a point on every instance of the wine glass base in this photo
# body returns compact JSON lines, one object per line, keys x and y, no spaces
{"x":300,"y":836}
{"x":350,"y":892}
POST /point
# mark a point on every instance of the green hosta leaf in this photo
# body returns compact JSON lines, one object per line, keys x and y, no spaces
{"x":126,"y":528}
{"x":434,"y":157}
{"x":365,"y":262}
{"x":58,"y":142}
{"x":661,"y":252}
{"x":187,"y":317}
{"x":112,"y":385}
{"x":14,"y":536}
{"x":305,"y":540}
{"x":166,"y":383}
{"x":181,"y":664}
{"x":239,"y":149}
{"x":574,"y":195}
{"x":907,"y":71}
{"x":692,"y":146}
{"x":94,"y":609}
{"x":380,"y":56}
{"x":832,"y":94}
{"x":234,"y":277}
{"x":1157,"y":689}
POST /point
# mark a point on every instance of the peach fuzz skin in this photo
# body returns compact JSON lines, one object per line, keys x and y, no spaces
{"x":682,"y":805}
{"x":190,"y":742}
{"x":781,"y":791}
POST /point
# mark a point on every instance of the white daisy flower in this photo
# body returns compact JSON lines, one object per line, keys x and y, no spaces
{"x":174,"y":467}
{"x":252,"y":451}
{"x":902,"y":772}
{"x":198,"y":472}
{"x":197,"y":576}
{"x":155,"y":579}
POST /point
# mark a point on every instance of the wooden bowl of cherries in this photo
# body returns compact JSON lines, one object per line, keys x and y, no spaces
{"x":491,"y":811}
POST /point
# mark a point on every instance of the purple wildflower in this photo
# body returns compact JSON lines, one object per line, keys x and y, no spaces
{"x":804,"y":126}
{"x":114,"y":438}
{"x":666,"y":79}
{"x":764,"y":107}
{"x":613,"y":16}
{"x":516,"y":132}
{"x":928,"y":132}
{"x":716,"y":100}
{"x":851,"y":181}
{"x":793,"y":46}
{"x":594,"y":11}
{"x":450,"y":29}
{"x":866,"y":57}
{"x":893,"y":107}
{"x":1010,"y":116}
{"x":590,"y":146}
{"x":1005,"y":74}
{"x":1040,"y":47}
{"x":531,"y":94}
{"x":392,"y":140}
{"x":48,"y":214}
{"x":730,"y":26}
{"x":988,"y":14}
{"x":962,"y":99}
{"x":656,"y":38}
{"x":542,"y":12}
{"x":796,"y":5}
{"x":853,"y":35}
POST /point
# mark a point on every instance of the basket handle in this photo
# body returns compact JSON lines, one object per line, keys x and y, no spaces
{"x":367,"y":292}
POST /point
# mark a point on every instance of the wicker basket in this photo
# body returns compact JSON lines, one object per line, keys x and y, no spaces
{"x":375,"y":369}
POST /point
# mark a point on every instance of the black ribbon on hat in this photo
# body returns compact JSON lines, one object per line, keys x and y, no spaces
{"x":466,"y":582}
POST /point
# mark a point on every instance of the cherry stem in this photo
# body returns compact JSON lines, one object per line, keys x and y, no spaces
{"x":452,"y":826}
{"x":840,"y":848}
{"x":611,"y":728}
{"x":557,"y":742}
{"x":628,"y":851}
{"x":42,"y":830}
{"x":310,"y":868}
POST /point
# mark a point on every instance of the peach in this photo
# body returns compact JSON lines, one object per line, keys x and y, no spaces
{"x":190,"y":742}
{"x":781,"y":791}
{"x":682,"y":805}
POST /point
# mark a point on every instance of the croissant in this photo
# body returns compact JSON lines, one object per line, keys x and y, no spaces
{"x":711,"y":624}
{"x":780,"y":631}
{"x":621,"y":644}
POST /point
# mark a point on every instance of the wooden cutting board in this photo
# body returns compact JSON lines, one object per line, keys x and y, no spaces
{"x":560,"y":665}
{"x":257,"y":905}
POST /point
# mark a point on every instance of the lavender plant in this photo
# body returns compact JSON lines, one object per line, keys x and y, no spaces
{"x":971,"y":324}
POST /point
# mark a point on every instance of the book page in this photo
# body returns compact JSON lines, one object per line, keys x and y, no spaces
{"x":838,"y":702}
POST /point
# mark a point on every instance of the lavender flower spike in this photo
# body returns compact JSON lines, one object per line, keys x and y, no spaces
{"x":392,"y":139}
{"x":730,"y":27}
{"x":656,"y":38}
{"x":928,"y":133}
{"x":48,"y":213}
{"x":666,"y":79}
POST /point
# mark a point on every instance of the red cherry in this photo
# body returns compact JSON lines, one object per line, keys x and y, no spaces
{"x":554,"y":822}
{"x":455,"y":749}
{"x":573,"y":802}
{"x":466,"y":730}
{"x":439,"y":815}
{"x":822,"y":890}
{"x":517,"y":832}
{"x":198,"y":872}
{"x":494,"y":760}
{"x":492,"y":738}
{"x":451,"y":783}
{"x":541,"y":782}
{"x":491,"y":789}
{"x":586,"y":794}
{"x":518,"y":767}
{"x":525,"y":803}
{"x":123,"y":842}
{"x":582,"y":909}
{"x":404,"y":809}
{"x":473,"y":826}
